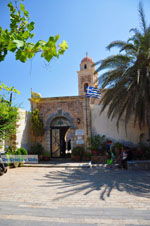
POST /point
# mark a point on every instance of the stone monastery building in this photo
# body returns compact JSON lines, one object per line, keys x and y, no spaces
{"x":71,"y":120}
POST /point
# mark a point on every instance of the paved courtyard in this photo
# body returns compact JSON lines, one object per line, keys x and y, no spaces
{"x":81,"y":196}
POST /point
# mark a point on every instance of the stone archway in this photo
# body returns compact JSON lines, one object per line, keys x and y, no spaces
{"x":60,"y":114}
{"x":58,"y":129}
{"x":58,"y":124}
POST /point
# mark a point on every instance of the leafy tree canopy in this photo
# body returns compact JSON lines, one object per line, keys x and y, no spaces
{"x":8,"y":113}
{"x":9,"y":89}
{"x":8,"y":120}
{"x":17,"y":38}
{"x":126,"y":78}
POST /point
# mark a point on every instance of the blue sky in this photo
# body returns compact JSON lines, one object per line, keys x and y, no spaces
{"x":87,"y":26}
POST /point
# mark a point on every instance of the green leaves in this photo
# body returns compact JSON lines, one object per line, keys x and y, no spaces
{"x":7,"y":88}
{"x":18,"y":43}
{"x":37,"y":123}
{"x":30,"y":26}
{"x":50,"y":49}
{"x":63,"y":46}
{"x":16,"y":38}
{"x":118,"y":44}
{"x":11,"y":46}
{"x":22,"y":8}
{"x":8,"y":120}
{"x":8,"y":114}
{"x":11,"y":7}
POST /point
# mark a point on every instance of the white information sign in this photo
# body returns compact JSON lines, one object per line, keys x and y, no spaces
{"x":79,"y":132}
{"x":81,"y":141}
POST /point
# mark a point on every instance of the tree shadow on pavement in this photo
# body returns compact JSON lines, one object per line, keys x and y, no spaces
{"x":87,"y":180}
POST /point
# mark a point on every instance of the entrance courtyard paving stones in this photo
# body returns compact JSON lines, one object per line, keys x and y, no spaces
{"x":80,"y":196}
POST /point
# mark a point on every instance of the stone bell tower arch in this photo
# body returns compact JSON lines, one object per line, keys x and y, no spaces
{"x":86,"y":76}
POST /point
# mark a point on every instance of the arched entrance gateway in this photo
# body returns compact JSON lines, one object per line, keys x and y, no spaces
{"x":60,"y":138}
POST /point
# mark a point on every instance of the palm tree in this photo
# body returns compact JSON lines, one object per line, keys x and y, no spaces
{"x":126,"y":78}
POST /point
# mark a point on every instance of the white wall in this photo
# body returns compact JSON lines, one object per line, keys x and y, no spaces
{"x":2,"y":144}
{"x":102,"y":125}
{"x":23,"y":130}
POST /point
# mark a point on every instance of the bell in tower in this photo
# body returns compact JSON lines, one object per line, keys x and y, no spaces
{"x":86,"y":76}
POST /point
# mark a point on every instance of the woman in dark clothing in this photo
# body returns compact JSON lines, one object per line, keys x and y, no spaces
{"x":124,"y":156}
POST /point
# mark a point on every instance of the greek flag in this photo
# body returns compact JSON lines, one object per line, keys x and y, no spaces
{"x":93,"y":92}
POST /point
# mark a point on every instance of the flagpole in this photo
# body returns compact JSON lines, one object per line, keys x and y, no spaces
{"x":86,"y":118}
{"x":95,"y":93}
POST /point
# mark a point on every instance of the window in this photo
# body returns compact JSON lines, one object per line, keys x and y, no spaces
{"x":85,"y":87}
{"x":85,"y":66}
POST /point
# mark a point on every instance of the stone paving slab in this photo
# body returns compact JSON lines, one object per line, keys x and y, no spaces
{"x":79,"y":196}
{"x":73,"y":212}
{"x":38,"y":223}
{"x":60,"y":165}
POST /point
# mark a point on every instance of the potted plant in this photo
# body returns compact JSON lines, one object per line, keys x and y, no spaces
{"x":116,"y":148}
{"x":87,"y":156}
{"x":12,"y":164}
{"x":21,"y":151}
{"x":96,"y":143}
{"x":78,"y":153}
{"x":37,"y":149}
{"x":46,"y":156}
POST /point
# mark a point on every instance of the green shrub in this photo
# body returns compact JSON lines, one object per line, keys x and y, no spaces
{"x":36,"y":149}
{"x":22,"y":151}
{"x":142,"y":152}
{"x":87,"y":156}
{"x":17,"y":152}
{"x":46,"y":154}
{"x":78,"y":151}
{"x":10,"y":153}
{"x":118,"y":145}
{"x":96,"y":142}
{"x":37,"y":123}
{"x":9,"y":150}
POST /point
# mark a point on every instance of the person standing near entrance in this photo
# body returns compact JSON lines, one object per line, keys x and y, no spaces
{"x":69,"y":145}
{"x":108,"y":148}
{"x":68,"y":142}
{"x":123,"y":157}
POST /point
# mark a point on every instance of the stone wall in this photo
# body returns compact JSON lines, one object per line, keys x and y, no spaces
{"x":74,"y":108}
{"x":2,"y":146}
{"x":102,"y":125}
{"x":23,"y":130}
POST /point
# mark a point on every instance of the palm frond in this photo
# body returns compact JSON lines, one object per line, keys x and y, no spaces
{"x":110,"y":77}
{"x":129,"y":48}
{"x":118,"y":44}
{"x":142,"y":17}
{"x":135,"y":30}
{"x":96,"y":63}
{"x":114,"y":61}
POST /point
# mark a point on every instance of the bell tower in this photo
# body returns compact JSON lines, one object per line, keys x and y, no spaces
{"x":86,"y":76}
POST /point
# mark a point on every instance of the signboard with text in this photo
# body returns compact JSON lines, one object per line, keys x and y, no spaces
{"x":81,"y":141}
{"x":79,"y":132}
